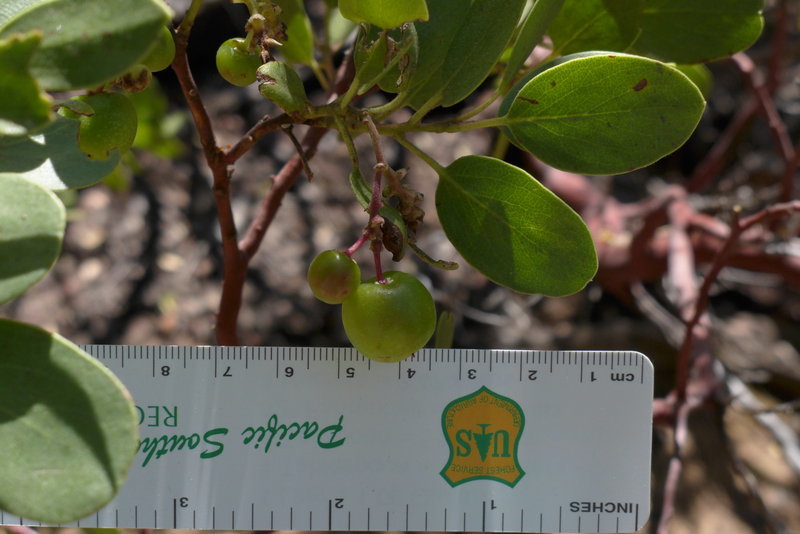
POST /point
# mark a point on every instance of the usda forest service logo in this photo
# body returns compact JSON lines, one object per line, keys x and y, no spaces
{"x":483,"y":430}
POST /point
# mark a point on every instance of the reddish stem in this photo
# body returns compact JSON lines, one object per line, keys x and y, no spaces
{"x":234,"y":261}
{"x":357,"y":245}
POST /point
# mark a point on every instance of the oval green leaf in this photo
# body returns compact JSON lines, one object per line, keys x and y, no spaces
{"x":385,"y":14}
{"x":700,"y":75}
{"x":694,"y":31}
{"x":278,"y":82}
{"x":679,"y":31}
{"x":512,"y":229}
{"x":24,"y":106}
{"x":458,"y":47}
{"x":531,"y":31}
{"x":52,"y":159}
{"x":32,"y":223}
{"x":68,"y":428}
{"x":86,"y":43}
{"x":386,"y":58}
{"x":585,"y":25}
{"x":603,"y":113}
{"x":299,"y":45}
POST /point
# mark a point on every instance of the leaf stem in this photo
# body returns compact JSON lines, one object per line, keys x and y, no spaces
{"x":448,"y":126}
{"x":188,"y":20}
{"x":373,"y":229}
{"x":384,"y":110}
{"x":347,"y":138}
{"x":417,"y":117}
{"x":411,"y":147}
{"x":480,"y":107}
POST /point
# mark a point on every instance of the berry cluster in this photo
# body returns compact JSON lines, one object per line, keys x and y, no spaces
{"x":387,"y":320}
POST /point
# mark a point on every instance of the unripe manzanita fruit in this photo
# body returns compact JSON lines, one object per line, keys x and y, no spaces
{"x":389,"y":321}
{"x":333,"y":276}
{"x":237,"y":64}
{"x":162,"y":53}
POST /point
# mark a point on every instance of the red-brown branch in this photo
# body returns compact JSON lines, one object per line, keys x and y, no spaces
{"x":234,"y":262}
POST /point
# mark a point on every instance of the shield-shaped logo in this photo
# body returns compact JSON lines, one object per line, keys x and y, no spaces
{"x":483,"y":430}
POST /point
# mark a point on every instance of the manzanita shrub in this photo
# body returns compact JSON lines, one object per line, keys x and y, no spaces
{"x":588,"y":86}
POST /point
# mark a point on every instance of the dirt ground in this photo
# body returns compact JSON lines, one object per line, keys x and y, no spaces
{"x":141,"y":265}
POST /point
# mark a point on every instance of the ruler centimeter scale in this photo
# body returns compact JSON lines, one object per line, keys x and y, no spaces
{"x":288,"y":438}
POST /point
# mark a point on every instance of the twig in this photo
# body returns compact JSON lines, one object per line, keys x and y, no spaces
{"x":373,"y":229}
{"x":232,"y":257}
{"x":776,"y":125}
{"x":675,"y":468}
{"x":287,"y":128}
{"x":264,"y":126}
{"x":783,"y":433}
{"x":282,"y":182}
{"x":711,"y":166}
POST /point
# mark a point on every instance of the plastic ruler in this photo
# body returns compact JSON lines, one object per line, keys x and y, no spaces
{"x":278,"y":438}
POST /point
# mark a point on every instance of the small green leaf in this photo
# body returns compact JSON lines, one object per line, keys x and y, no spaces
{"x":23,"y":106}
{"x":602,"y":113}
{"x":32,"y":223}
{"x":512,"y":229}
{"x":278,"y":82}
{"x":458,"y":47}
{"x":52,"y":158}
{"x":363,"y":193}
{"x":376,"y":50}
{"x":68,"y":429}
{"x":694,"y":31}
{"x":299,"y":45}
{"x":538,"y":19}
{"x":360,"y":187}
{"x":86,"y":43}
{"x":339,"y":28}
{"x":385,"y":14}
{"x":700,"y":75}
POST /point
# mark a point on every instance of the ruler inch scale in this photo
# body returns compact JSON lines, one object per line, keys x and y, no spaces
{"x":319,"y":438}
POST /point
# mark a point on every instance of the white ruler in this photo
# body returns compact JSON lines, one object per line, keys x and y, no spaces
{"x":266,"y":438}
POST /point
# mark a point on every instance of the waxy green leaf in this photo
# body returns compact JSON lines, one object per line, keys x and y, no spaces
{"x":32,"y":223}
{"x":299,"y":45}
{"x":694,"y":31}
{"x":385,"y":14}
{"x":278,"y":82}
{"x":68,"y":429}
{"x":376,"y":50}
{"x":679,"y":31}
{"x":86,"y":43}
{"x":512,"y":229}
{"x":458,"y":47}
{"x":23,"y":106}
{"x":700,"y":75}
{"x":538,"y":19}
{"x":583,"y":25}
{"x":52,"y":159}
{"x":602,"y":113}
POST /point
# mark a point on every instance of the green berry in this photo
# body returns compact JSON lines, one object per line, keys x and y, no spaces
{"x":390,"y":320}
{"x":236,"y":64}
{"x":111,"y":126}
{"x":333,"y":276}
{"x":162,"y":53}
